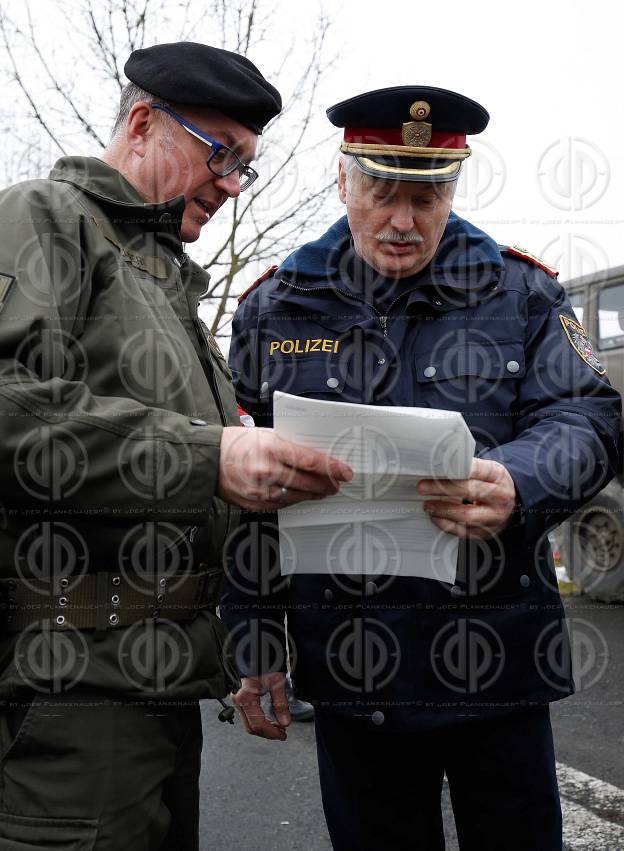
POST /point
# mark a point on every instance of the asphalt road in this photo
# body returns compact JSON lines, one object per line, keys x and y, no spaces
{"x":264,"y":796}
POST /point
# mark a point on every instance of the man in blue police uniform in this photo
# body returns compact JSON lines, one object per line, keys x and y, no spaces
{"x":404,"y":303}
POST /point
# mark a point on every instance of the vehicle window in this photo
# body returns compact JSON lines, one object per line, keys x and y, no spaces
{"x":576,"y":300}
{"x":611,"y":317}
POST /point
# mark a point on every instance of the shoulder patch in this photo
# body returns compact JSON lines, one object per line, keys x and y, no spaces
{"x":516,"y":251}
{"x":579,"y":341}
{"x":263,"y":277}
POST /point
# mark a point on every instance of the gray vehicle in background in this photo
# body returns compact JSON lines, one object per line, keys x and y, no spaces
{"x":592,"y":541}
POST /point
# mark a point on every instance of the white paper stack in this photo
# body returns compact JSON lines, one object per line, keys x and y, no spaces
{"x":376,"y":524}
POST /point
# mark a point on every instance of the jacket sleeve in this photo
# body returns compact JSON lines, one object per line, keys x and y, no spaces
{"x":255,"y":593}
{"x":63,"y":447}
{"x":566,"y":417}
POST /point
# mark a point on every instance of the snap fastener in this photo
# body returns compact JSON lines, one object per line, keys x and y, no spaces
{"x":63,"y":601}
{"x":64,"y":582}
{"x":525,"y":581}
{"x":60,"y":620}
{"x":196,"y":421}
{"x":371,"y":588}
{"x":328,"y":594}
{"x":381,"y":361}
{"x":115,"y":599}
{"x":332,"y":383}
{"x":264,"y":387}
{"x":113,"y":619}
{"x":430,"y":371}
{"x":513,"y":366}
{"x":378,"y":717}
{"x":116,"y":580}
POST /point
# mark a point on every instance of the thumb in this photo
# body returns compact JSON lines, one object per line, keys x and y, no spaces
{"x":279,"y":700}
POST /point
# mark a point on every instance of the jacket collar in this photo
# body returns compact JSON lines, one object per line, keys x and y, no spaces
{"x":104,"y":183}
{"x":467,"y":260}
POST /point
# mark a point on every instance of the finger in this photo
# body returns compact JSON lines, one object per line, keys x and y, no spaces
{"x":278,"y":500}
{"x":461,"y":530}
{"x":312,"y":461}
{"x":471,"y":515}
{"x":472,"y":489}
{"x":254,"y":719}
{"x":486,"y":471}
{"x":280,"y":703}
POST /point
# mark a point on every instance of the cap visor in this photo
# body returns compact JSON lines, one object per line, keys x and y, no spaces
{"x":426,"y":172}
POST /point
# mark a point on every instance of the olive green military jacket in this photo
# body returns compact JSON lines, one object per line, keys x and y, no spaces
{"x":113,"y":398}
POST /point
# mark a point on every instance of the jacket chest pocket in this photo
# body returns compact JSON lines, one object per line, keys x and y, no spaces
{"x":478,"y":379}
{"x":319,"y":378}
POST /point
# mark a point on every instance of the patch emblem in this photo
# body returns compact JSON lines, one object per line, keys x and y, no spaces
{"x":577,"y":336}
{"x":6,"y":284}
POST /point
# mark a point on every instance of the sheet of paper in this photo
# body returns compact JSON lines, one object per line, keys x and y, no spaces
{"x":376,"y":525}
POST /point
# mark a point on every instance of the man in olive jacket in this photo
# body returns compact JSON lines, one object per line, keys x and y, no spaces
{"x":122,"y":455}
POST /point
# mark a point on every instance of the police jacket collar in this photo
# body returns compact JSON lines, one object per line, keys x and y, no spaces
{"x":100,"y":180}
{"x":467,"y":260}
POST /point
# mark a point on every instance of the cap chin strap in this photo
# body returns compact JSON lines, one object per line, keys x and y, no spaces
{"x":440,"y":175}
{"x":361,"y":149}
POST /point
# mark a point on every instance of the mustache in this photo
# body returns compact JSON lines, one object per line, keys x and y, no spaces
{"x":395,"y":236}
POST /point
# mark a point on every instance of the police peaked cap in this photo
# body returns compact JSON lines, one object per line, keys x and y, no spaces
{"x":186,"y":72}
{"x":409,"y":132}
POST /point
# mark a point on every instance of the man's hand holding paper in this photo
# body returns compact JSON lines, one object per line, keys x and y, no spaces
{"x":490,"y":492}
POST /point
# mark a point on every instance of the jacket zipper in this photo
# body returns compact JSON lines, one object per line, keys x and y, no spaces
{"x":383,"y":320}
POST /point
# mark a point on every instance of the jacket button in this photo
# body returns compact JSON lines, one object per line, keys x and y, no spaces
{"x":328,"y":594}
{"x":371,"y":588}
{"x":378,"y":718}
{"x":381,"y":361}
{"x":438,"y":302}
{"x":513,"y":366}
{"x":198,"y":422}
{"x":525,"y":581}
{"x":332,"y":383}
{"x":430,"y":371}
{"x":264,"y":387}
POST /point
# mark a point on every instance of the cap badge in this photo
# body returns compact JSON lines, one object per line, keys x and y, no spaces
{"x":417,"y":133}
{"x":420,"y":110}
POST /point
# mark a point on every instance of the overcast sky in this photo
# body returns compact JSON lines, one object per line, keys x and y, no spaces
{"x":548,"y":173}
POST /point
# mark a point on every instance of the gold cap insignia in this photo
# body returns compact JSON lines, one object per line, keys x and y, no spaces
{"x":416,"y":134}
{"x":419,"y":110}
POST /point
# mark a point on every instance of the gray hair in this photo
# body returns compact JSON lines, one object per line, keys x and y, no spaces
{"x":131,"y":94}
{"x":349,"y":164}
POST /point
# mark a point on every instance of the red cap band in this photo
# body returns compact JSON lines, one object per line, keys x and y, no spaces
{"x":388,"y":136}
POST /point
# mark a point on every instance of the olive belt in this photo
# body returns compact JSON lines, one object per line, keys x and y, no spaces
{"x":104,"y":600}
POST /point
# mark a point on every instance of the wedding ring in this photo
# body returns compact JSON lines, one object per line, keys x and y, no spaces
{"x":284,"y":491}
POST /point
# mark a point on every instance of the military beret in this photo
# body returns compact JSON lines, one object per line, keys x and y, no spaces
{"x":409,"y":132}
{"x":186,"y":72}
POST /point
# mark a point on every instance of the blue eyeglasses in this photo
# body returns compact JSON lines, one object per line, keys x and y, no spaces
{"x":222,"y":160}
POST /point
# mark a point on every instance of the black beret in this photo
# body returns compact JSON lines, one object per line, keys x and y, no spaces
{"x":186,"y":72}
{"x":409,"y":132}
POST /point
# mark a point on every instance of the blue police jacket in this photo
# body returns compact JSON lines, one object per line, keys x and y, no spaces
{"x":483,"y":331}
